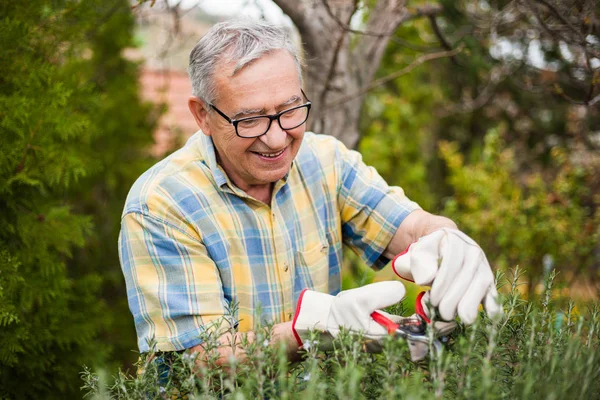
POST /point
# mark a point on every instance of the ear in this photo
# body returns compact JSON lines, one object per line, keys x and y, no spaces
{"x":198,"y":109}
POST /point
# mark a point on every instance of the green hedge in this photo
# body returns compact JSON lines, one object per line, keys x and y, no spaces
{"x":70,"y":116}
{"x":534,"y":352}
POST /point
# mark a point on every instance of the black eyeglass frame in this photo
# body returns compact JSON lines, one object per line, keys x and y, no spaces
{"x":271,"y":117}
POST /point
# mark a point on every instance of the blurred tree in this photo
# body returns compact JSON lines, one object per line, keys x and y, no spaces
{"x":69,"y":117}
{"x":531,"y":67}
{"x":534,"y":64}
{"x":341,"y":68}
{"x":496,"y":81}
{"x":537,"y":223}
{"x":398,"y":131}
{"x":120,"y":151}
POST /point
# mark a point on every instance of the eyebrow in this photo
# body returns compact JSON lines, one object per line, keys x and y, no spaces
{"x":262,"y":111}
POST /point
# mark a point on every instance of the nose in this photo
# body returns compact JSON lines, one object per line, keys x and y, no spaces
{"x":275,"y":138}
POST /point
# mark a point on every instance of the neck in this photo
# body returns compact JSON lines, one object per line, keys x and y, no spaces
{"x":262,"y":192}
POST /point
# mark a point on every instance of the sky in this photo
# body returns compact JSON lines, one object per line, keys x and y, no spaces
{"x":251,"y":8}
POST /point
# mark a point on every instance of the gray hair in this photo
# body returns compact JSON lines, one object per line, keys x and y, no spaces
{"x":239,"y":41}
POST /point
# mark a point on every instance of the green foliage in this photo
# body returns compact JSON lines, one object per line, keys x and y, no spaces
{"x":528,"y":219}
{"x":532,"y":204}
{"x":533,"y":351}
{"x":120,"y":150}
{"x":10,"y":285}
{"x":69,"y":117}
{"x":397,"y":124}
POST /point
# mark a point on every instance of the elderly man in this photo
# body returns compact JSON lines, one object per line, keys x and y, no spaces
{"x":254,"y":210}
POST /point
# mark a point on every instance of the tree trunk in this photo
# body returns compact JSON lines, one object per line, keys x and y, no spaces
{"x":340,"y":61}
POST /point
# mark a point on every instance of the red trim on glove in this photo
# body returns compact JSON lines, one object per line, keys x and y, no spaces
{"x":300,"y":344}
{"x":394,"y":262}
{"x":419,"y":308}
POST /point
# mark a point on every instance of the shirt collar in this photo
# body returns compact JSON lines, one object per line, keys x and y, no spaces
{"x":207,"y":150}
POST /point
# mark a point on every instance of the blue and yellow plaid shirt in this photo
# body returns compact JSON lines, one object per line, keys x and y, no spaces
{"x":192,"y":243}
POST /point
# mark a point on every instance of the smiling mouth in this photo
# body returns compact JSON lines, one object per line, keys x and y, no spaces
{"x":270,"y":155}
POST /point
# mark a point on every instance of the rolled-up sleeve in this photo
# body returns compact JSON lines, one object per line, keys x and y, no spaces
{"x":371,"y":210}
{"x":173,"y":287}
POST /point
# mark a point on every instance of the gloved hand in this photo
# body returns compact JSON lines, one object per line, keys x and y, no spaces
{"x":350,"y":308}
{"x":440,"y":328}
{"x":456,"y":269}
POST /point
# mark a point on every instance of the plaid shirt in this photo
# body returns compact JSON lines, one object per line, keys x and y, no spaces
{"x":192,"y":243}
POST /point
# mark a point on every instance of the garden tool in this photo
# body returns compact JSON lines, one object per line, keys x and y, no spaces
{"x":414,"y":329}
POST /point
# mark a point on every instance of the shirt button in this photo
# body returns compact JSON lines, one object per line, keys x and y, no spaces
{"x":286,"y":267}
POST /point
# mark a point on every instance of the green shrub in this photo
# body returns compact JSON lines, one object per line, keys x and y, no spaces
{"x":534,"y":219}
{"x":69,"y":115}
{"x":534,"y":351}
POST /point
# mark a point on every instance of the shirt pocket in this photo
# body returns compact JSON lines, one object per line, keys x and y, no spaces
{"x":314,"y":264}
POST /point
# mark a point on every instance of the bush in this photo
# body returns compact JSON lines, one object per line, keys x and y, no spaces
{"x":544,"y":220}
{"x":69,"y":115}
{"x":534,"y":351}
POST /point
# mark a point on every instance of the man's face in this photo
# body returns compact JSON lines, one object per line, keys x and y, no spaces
{"x":266,"y":86}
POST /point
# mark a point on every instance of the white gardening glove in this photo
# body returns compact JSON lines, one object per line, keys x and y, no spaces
{"x":350,"y":309}
{"x":456,"y":269}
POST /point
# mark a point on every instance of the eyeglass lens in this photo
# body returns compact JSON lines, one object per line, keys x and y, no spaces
{"x":257,"y":126}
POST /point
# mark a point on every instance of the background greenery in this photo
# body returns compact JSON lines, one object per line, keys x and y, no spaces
{"x":519,"y":172}
{"x":74,"y":137}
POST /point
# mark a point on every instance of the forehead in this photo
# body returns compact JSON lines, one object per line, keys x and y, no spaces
{"x":272,"y":76}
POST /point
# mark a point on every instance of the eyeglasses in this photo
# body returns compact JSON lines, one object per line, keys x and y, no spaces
{"x":251,"y":127}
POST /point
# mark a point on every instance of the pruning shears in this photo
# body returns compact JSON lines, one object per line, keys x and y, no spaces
{"x":413,"y":329}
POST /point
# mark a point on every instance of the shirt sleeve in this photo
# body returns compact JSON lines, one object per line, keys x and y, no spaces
{"x":371,"y":210}
{"x":173,"y":288}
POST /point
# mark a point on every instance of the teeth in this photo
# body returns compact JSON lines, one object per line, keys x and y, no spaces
{"x":271,"y":155}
